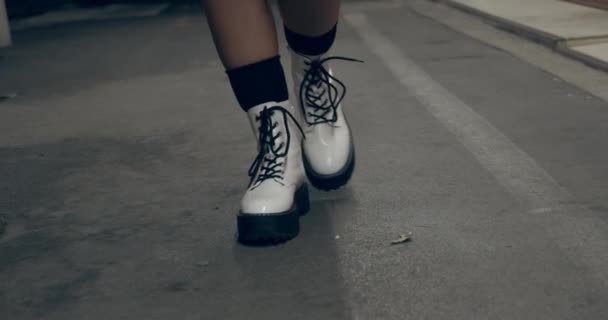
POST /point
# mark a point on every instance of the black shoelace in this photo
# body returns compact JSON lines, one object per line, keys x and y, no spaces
{"x":268,"y":164}
{"x":320,"y":105}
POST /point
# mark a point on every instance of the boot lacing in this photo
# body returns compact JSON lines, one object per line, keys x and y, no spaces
{"x":268,"y":164}
{"x":319,"y":96}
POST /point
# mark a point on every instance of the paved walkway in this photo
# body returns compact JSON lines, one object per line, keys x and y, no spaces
{"x":124,"y":157}
{"x":576,"y":30}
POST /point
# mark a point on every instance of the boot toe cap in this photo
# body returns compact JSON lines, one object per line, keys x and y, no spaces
{"x":271,"y":198}
{"x":328,"y":159}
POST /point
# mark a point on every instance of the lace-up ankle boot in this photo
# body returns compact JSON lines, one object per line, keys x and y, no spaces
{"x":329,"y":153}
{"x":277,"y":194}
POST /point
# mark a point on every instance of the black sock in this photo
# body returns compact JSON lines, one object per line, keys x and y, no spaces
{"x":308,"y":45}
{"x":259,"y":82}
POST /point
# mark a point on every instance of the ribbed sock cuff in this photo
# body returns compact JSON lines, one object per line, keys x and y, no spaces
{"x":308,"y":45}
{"x":259,"y":82}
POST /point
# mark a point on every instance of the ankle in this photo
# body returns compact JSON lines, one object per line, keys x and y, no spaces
{"x":310,"y":45}
{"x":259,"y":83}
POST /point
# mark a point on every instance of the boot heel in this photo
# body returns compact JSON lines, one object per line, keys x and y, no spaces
{"x":302,"y":199}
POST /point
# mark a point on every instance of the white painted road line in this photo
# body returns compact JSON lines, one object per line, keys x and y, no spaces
{"x":547,"y":201}
{"x":348,"y":7}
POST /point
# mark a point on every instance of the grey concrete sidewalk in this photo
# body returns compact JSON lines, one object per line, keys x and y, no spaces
{"x":124,"y":157}
{"x":578,"y":31}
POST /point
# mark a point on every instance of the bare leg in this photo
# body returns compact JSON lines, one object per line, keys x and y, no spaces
{"x":243,"y":30}
{"x":310,"y":17}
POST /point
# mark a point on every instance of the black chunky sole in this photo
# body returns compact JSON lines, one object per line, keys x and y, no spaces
{"x":270,"y":229}
{"x":333,"y":181}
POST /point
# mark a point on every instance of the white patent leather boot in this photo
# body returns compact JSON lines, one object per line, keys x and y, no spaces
{"x":277,"y":194}
{"x":329,"y":153}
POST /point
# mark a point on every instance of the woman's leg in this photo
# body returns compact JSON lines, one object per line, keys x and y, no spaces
{"x":243,"y":31}
{"x":310,"y":30}
{"x":245,"y":36}
{"x":310,"y":17}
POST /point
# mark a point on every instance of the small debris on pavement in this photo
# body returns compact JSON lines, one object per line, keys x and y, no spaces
{"x":8,"y":96}
{"x":202,"y":264}
{"x":337,"y":237}
{"x":402,"y":239}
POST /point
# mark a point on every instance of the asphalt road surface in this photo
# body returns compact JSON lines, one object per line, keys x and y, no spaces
{"x":124,"y":157}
